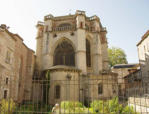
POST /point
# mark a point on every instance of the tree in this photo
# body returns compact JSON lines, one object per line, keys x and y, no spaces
{"x":116,"y":56}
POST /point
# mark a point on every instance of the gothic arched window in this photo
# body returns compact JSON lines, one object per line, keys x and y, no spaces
{"x":88,"y":53}
{"x":64,"y":54}
{"x":57,"y":91}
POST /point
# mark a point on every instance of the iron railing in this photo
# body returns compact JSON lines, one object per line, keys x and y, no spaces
{"x":69,"y":96}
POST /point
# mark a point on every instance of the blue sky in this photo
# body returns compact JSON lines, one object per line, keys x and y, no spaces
{"x":126,"y":20}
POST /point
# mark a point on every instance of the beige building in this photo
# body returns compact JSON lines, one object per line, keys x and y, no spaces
{"x":16,"y":66}
{"x":133,"y":84}
{"x":73,"y":48}
{"x":143,"y":53}
{"x":123,"y":70}
{"x":7,"y":48}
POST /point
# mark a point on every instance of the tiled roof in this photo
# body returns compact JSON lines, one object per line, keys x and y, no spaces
{"x":124,"y":65}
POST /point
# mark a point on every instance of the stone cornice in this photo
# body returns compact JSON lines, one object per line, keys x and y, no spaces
{"x":80,"y":51}
{"x":63,"y":68}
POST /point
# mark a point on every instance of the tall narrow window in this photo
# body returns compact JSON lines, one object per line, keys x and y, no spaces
{"x":88,"y":53}
{"x":100,"y":88}
{"x":57,"y":92}
{"x":47,"y":42}
{"x":120,"y":89}
{"x":6,"y":81}
{"x":5,"y":94}
{"x":81,"y":24}
{"x":8,"y":57}
{"x":64,"y":54}
{"x":114,"y":88}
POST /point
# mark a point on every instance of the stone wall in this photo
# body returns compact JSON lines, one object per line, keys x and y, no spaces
{"x":24,"y":64}
{"x":7,"y":48}
{"x":18,"y":67}
{"x":139,"y":104}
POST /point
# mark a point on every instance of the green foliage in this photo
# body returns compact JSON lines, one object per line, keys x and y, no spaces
{"x":25,"y":108}
{"x":72,"y":106}
{"x":7,"y":106}
{"x":128,"y":109}
{"x":96,"y":107}
{"x":116,"y":56}
{"x":48,"y":75}
{"x":32,"y":108}
{"x":110,"y":107}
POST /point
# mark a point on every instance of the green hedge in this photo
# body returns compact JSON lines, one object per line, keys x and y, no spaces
{"x":96,"y":107}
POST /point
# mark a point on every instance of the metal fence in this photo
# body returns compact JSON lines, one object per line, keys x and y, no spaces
{"x":82,"y":96}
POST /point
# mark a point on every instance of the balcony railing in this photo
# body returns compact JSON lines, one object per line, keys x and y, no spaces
{"x":66,"y":28}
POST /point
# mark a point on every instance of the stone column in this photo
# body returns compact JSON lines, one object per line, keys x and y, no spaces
{"x":81,"y":42}
{"x":97,"y":57}
{"x":39,"y":40}
{"x":104,"y":48}
{"x":47,"y":40}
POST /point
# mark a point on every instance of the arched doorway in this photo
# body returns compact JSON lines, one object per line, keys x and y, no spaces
{"x":64,"y":54}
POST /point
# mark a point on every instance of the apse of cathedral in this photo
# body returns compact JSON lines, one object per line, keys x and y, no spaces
{"x":73,"y":48}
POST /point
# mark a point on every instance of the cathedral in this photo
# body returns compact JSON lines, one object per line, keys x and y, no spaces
{"x":72,"y":49}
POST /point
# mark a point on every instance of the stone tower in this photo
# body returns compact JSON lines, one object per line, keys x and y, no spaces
{"x":71,"y":47}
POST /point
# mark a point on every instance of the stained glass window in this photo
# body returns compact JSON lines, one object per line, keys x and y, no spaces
{"x":64,"y":54}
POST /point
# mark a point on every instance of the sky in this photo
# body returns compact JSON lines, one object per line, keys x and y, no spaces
{"x":126,"y":20}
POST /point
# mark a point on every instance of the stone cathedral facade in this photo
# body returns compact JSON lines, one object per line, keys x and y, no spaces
{"x":73,"y":48}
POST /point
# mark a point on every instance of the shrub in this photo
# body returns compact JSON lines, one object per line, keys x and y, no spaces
{"x":7,"y":106}
{"x":25,"y":108}
{"x":72,"y":106}
{"x":110,"y":107}
{"x":30,"y":107}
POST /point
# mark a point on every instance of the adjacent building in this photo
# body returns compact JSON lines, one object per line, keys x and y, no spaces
{"x":143,"y":53}
{"x":7,"y":50}
{"x":133,"y":83}
{"x":124,"y":70}
{"x":16,"y":66}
